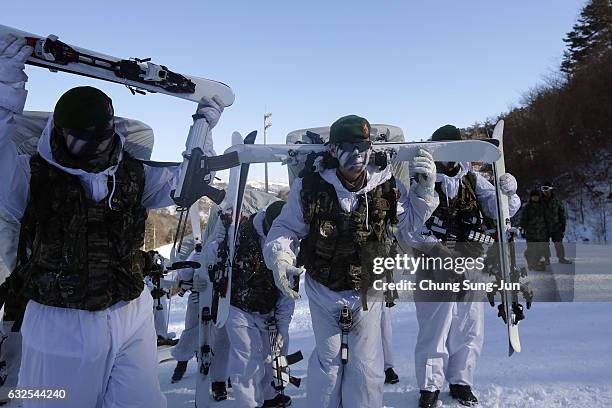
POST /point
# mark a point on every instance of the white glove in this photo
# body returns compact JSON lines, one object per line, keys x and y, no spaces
{"x":282,"y":271}
{"x":507,"y":184}
{"x":211,"y":109}
{"x":13,"y":54}
{"x":425,"y":167}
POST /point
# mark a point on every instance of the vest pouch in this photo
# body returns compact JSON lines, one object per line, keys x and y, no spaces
{"x":355,"y":276}
{"x":71,"y":286}
{"x":326,"y":241}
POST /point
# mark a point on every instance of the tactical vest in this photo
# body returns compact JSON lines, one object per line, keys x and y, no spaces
{"x":76,"y":253}
{"x":454,"y":218}
{"x":253,"y":288}
{"x":340,"y":248}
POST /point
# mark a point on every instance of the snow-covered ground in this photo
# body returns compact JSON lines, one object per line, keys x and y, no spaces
{"x":566,"y":359}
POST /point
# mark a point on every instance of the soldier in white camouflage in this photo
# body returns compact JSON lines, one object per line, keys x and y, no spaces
{"x":82,"y":201}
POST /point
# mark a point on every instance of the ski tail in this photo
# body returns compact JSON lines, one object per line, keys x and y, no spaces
{"x":504,"y":237}
{"x":222,"y":299}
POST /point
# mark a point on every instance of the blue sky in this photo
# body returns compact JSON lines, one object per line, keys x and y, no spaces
{"x":414,"y":64}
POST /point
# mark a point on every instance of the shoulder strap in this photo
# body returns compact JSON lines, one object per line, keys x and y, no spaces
{"x":312,"y":183}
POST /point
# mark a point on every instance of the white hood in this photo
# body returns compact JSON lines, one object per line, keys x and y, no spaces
{"x":348,"y":199}
{"x":95,"y":184}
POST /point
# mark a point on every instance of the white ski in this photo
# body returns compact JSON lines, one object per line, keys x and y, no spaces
{"x":466,"y":150}
{"x":205,"y":351}
{"x":229,"y":206}
{"x":139,"y":75}
{"x":233,"y":205}
{"x":509,"y":298}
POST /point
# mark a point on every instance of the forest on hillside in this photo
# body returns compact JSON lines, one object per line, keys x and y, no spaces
{"x":561,"y":131}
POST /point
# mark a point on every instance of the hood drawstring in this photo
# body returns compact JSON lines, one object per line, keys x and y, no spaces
{"x":110,"y":196}
{"x":367,"y":211}
{"x":446,"y":195}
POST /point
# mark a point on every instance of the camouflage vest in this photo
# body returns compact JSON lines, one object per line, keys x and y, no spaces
{"x":253,"y":288}
{"x":76,"y":253}
{"x":340,"y":248}
{"x":455,"y":218}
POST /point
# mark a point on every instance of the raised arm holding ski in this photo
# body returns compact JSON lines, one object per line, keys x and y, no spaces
{"x":82,"y":201}
{"x":14,"y":168}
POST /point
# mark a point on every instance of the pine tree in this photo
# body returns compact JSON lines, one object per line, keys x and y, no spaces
{"x":590,"y":37}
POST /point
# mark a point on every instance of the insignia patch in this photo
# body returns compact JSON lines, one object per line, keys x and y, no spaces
{"x":366,"y":130}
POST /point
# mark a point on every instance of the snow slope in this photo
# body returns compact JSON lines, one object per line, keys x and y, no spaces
{"x":566,"y":359}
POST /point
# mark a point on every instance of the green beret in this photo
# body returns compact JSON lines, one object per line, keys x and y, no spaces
{"x":272,"y":212}
{"x":445,"y":133}
{"x":83,"y":107}
{"x":351,"y":128}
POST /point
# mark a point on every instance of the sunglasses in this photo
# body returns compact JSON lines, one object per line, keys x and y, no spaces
{"x":360,"y":146}
{"x":546,"y":189}
{"x":92,"y":135}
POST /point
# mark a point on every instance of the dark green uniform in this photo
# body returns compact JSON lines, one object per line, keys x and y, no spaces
{"x":555,"y":224}
{"x":533,"y":222}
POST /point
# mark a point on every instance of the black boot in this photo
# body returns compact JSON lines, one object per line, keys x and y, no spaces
{"x":219,"y":392}
{"x":428,"y":399}
{"x":163,"y":341}
{"x":390,"y":376}
{"x":463,"y":394}
{"x":277,"y":402}
{"x":179,"y":371}
{"x":565,"y":261}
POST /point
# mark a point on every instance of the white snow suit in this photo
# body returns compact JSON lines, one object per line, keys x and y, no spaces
{"x":387,"y":337}
{"x":359,"y":383}
{"x":451,"y":333}
{"x":249,"y":364}
{"x":103,"y":358}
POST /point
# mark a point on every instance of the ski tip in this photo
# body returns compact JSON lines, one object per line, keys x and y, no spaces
{"x":236,"y":138}
{"x":250,"y":138}
{"x":498,"y":131}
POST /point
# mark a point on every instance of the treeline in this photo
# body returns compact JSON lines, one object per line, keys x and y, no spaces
{"x":562,"y":131}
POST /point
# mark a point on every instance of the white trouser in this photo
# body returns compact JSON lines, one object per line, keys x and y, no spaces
{"x":360,"y":382}
{"x":249,"y":357}
{"x":187,"y":346}
{"x":387,"y":337}
{"x":449,"y":342}
{"x":106,"y":358}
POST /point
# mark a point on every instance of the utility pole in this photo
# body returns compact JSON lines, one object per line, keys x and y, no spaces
{"x":267,"y":124}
